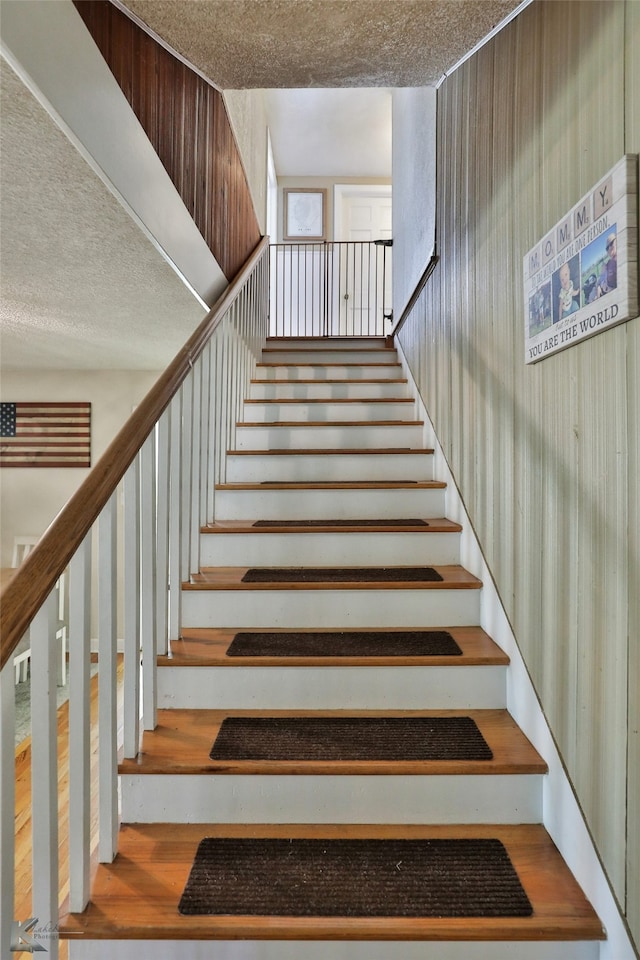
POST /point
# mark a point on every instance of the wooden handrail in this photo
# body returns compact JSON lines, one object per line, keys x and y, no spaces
{"x":420,"y":285}
{"x":36,"y":577}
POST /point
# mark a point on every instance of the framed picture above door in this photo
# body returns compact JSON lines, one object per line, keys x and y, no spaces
{"x":305,"y":213}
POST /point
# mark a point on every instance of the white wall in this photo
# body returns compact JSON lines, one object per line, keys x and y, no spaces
{"x":30,"y":498}
{"x":414,"y":188}
{"x":247,"y":115}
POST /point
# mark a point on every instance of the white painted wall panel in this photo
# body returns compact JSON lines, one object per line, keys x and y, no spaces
{"x":545,"y":456}
{"x":414,"y":175}
{"x":632,"y":133}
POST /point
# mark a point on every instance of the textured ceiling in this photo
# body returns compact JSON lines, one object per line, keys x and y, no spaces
{"x":322,"y":43}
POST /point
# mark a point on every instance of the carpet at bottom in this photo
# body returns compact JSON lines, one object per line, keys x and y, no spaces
{"x":353,"y":878}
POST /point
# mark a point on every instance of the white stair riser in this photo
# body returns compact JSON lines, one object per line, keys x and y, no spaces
{"x":324,"y":504}
{"x":306,"y":467}
{"x":269,"y":410}
{"x":294,"y":798}
{"x":334,"y":950}
{"x":317,"y":390}
{"x":335,"y":356}
{"x":332,"y":688}
{"x":340,"y":609}
{"x":327,"y":437}
{"x":329,"y":371}
{"x":328,"y":549}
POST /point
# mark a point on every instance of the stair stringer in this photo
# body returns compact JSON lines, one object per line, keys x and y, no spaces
{"x":561,"y":812}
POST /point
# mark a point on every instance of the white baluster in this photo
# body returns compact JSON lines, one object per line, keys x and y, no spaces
{"x":107,"y":684}
{"x":162,"y":535}
{"x":132,"y":609}
{"x":212,"y":435}
{"x":236,"y":383}
{"x":225,"y":395}
{"x":185,"y":507}
{"x":148,"y":581}
{"x":204,"y":434}
{"x":7,"y":804}
{"x":194,"y":537}
{"x":80,"y":726}
{"x":44,"y":767}
{"x":175,"y":519}
{"x":217,"y":405}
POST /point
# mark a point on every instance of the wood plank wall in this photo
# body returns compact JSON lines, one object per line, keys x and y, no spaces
{"x":186,"y":121}
{"x":546,"y":456}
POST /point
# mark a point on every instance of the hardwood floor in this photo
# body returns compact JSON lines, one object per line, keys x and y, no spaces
{"x":23,"y":900}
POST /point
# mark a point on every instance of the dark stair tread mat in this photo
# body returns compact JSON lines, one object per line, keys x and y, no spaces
{"x":350,"y":738}
{"x":340,"y":574}
{"x":356,"y":643}
{"x":354,"y":878}
{"x":341,"y":523}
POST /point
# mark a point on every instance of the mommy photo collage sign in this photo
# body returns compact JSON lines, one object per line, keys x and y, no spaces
{"x":582,"y":277}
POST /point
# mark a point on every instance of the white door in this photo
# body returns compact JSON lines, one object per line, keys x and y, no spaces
{"x":366,"y":217}
{"x":362,"y":216}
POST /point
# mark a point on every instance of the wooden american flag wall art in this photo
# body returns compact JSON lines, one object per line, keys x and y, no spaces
{"x":45,"y":434}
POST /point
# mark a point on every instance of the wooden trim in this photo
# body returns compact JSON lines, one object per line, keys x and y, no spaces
{"x":186,"y":121}
{"x":37,"y":575}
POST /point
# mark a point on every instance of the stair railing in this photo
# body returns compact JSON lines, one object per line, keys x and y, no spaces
{"x":146,"y":500}
{"x":331,"y":288}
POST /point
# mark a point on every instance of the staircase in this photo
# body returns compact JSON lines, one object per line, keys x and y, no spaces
{"x":329,"y":485}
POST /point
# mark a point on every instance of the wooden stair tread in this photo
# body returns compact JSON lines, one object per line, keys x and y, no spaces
{"x":136,"y":896}
{"x":329,"y":423}
{"x":454,"y":577}
{"x":331,"y":348}
{"x":196,"y":730}
{"x":207,"y":646}
{"x":332,"y":451}
{"x":380,"y":341}
{"x":337,"y":485}
{"x":330,"y":363}
{"x":435,"y":525}
{"x":333,"y":380}
{"x":276,"y":401}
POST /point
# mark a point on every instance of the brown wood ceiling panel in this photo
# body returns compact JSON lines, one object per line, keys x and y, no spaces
{"x":187,"y":123}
